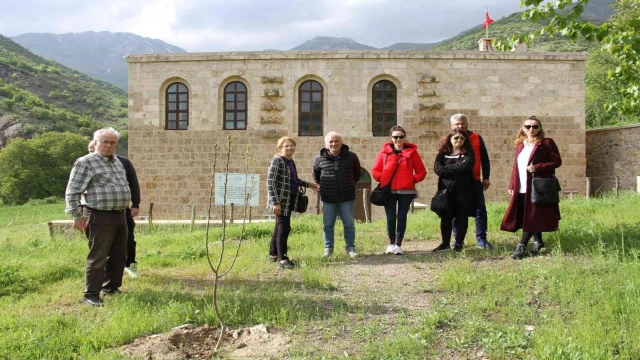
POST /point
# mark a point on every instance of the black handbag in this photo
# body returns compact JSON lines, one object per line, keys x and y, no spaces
{"x":440,"y":202}
{"x":545,"y":191}
{"x":380,"y":195}
{"x":303,"y":200}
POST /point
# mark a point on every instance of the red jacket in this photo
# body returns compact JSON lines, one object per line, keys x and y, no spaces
{"x":546,"y":158}
{"x":411,"y":169}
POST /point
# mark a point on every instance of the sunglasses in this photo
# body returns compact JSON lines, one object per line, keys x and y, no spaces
{"x":461,"y":138}
{"x":535,"y":127}
{"x":398,"y":137}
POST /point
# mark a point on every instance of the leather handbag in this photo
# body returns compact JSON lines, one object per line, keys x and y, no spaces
{"x":545,"y":191}
{"x":440,"y":202}
{"x":303,"y":200}
{"x":380,"y":195}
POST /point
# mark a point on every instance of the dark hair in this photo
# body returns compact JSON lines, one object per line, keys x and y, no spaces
{"x":447,"y":148}
{"x":397,"y":128}
{"x":522,"y":136}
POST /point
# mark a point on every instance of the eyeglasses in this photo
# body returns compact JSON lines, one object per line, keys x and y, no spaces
{"x":107,"y":142}
{"x":398,"y":137}
{"x":461,"y":138}
{"x":535,"y":127}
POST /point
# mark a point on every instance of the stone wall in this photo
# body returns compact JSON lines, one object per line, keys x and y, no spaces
{"x":613,"y":152}
{"x":496,"y":90}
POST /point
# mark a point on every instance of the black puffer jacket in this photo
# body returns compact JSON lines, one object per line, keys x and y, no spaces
{"x":337,"y":177}
{"x":455,"y":173}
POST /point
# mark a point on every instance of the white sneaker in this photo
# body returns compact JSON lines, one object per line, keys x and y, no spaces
{"x":390,"y":249}
{"x":398,"y":250}
{"x":328,"y":252}
{"x":132,"y":270}
{"x":352,"y":253}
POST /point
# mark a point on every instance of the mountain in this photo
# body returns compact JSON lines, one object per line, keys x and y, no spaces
{"x":39,"y":95}
{"x":332,"y":43}
{"x":595,"y":11}
{"x":98,"y":54}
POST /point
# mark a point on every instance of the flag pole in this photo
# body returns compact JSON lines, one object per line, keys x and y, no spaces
{"x":487,"y":28}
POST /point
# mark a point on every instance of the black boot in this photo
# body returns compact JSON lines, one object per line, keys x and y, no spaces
{"x":518,"y":253}
{"x":442,"y":247}
{"x":538,"y":248}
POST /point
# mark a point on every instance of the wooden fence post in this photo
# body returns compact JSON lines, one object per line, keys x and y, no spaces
{"x":617,"y":185}
{"x":231,"y":214}
{"x":193,"y":216}
{"x":150,"y":216}
{"x":588,"y":191}
{"x":367,"y":216}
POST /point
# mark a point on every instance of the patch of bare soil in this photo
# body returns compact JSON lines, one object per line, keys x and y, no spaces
{"x":190,"y":342}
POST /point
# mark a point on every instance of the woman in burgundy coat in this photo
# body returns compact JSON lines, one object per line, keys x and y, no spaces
{"x":535,"y":156}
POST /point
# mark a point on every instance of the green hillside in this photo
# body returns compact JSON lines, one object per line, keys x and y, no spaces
{"x":509,"y":26}
{"x":39,"y":95}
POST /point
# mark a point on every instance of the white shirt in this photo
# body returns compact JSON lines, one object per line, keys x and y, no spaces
{"x":523,"y":162}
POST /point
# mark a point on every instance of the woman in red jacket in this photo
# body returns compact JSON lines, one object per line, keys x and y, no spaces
{"x":403,"y":156}
{"x":535,"y":156}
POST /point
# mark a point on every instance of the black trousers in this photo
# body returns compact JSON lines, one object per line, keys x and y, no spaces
{"x":456,"y":216}
{"x":107,"y":235}
{"x":280,"y":236}
{"x":131,"y":239}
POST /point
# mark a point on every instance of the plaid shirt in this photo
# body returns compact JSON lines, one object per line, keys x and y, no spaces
{"x":103,"y":179}
{"x":279,"y":186}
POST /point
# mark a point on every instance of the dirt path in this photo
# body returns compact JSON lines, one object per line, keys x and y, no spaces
{"x":375,"y":288}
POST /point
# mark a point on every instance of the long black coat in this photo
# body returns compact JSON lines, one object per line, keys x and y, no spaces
{"x":457,"y":177}
{"x":337,"y":177}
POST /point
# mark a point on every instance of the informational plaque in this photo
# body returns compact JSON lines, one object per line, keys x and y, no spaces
{"x":239,"y":187}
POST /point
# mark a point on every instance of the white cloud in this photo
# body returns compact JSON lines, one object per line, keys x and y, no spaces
{"x":224,"y":25}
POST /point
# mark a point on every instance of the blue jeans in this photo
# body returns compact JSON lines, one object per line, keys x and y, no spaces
{"x":481,"y":215}
{"x":330,"y":212}
{"x":397,"y":213}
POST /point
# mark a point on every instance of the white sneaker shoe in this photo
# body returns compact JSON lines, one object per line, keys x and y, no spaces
{"x":398,"y":250}
{"x":390,"y":249}
{"x":328,"y":252}
{"x":132,"y":270}
{"x":352,"y":253}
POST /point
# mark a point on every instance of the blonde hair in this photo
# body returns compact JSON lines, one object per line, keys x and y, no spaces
{"x":281,"y":142}
{"x":92,"y":146}
{"x":522,"y":136}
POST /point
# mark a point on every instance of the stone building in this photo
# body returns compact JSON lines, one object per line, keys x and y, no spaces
{"x":180,"y":105}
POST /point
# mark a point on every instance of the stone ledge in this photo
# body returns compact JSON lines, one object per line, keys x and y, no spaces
{"x":60,"y":227}
{"x":356,"y":54}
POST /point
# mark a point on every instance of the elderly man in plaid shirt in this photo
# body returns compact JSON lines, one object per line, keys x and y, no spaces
{"x":101,"y":177}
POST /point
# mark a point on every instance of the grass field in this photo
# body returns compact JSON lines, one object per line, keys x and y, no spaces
{"x":578,"y":302}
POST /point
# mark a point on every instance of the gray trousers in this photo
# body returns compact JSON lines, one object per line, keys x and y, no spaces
{"x":107,"y":235}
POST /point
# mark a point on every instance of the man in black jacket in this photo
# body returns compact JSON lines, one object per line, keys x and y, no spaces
{"x":131,"y":266}
{"x":337,"y":170}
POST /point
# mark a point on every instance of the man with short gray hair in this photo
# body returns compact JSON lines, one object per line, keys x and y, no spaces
{"x":337,"y":170}
{"x":101,"y":177}
{"x":459,"y":121}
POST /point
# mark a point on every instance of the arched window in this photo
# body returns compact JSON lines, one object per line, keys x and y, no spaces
{"x":310,"y":107}
{"x":235,"y":106}
{"x":385,"y":109}
{"x":177,"y":107}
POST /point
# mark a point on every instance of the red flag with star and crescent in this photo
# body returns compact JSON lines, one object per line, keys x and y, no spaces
{"x":487,"y":20}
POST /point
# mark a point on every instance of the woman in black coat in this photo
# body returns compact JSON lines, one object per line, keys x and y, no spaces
{"x":454,"y":167}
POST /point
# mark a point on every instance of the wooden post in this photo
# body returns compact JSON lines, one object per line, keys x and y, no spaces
{"x":193,"y":217}
{"x":317,"y":203}
{"x":617,"y":185}
{"x":588,"y":192}
{"x":231,"y":214}
{"x":150,"y":216}
{"x":51,"y":231}
{"x":249,"y":214}
{"x":367,"y":216}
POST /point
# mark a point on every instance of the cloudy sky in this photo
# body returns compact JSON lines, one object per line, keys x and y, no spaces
{"x":226,"y":25}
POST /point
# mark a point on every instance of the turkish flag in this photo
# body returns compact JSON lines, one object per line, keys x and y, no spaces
{"x":487,"y":20}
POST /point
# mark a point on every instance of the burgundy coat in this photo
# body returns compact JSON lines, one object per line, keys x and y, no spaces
{"x":536,"y":218}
